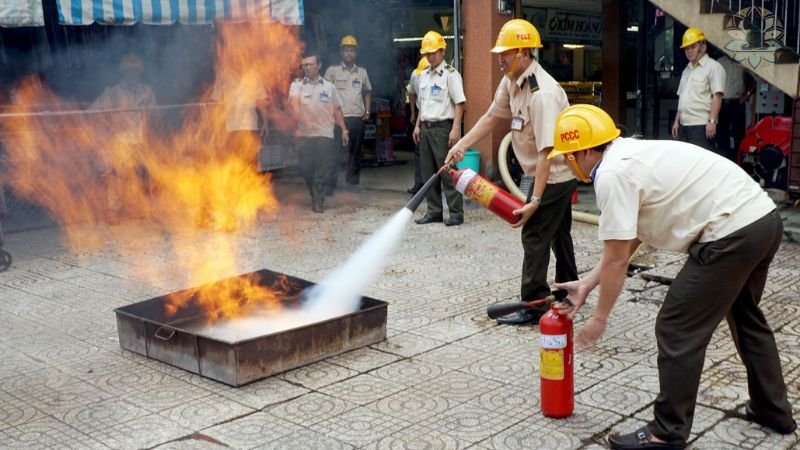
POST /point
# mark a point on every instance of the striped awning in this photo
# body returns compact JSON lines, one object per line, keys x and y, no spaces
{"x":166,"y":12}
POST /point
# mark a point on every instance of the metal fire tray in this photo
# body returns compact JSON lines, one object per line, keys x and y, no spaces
{"x":146,"y":329}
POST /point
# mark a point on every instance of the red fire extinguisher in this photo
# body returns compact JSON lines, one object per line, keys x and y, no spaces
{"x":486,"y":193}
{"x":555,"y":364}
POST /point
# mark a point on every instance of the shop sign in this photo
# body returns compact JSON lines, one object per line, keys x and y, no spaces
{"x":573,"y":27}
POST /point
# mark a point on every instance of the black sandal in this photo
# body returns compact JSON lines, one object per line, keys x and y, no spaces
{"x":639,"y":439}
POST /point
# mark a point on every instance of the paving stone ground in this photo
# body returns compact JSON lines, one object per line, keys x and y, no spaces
{"x":446,"y":378}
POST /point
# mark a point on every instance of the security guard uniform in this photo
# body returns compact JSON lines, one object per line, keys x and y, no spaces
{"x":533,"y":102}
{"x":440,"y":89}
{"x":352,"y":84}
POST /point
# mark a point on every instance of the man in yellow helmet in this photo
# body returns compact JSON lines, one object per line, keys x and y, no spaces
{"x":675,"y":197}
{"x":441,"y":102}
{"x":532,"y":99}
{"x":413,"y":100}
{"x":699,"y":93}
{"x":355,"y":92}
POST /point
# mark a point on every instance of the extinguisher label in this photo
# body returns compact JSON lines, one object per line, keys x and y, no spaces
{"x":464,"y":179}
{"x":551,"y":365}
{"x":553,"y":340}
{"x":481,"y":191}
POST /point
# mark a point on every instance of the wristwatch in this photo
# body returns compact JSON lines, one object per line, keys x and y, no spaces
{"x":714,"y":121}
{"x":536,"y":199}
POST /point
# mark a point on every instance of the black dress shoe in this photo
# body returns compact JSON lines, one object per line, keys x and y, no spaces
{"x":752,"y":417}
{"x":521,"y":317}
{"x":317,"y":206}
{"x":453,"y":222}
{"x":413,"y":190}
{"x":427,"y":218}
{"x":640,"y":439}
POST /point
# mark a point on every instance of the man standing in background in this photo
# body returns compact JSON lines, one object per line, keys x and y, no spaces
{"x":441,"y":101}
{"x":413,"y":104}
{"x":699,"y":93}
{"x":122,"y":169}
{"x":355,"y":92}
{"x":738,"y":87}
{"x":316,"y":105}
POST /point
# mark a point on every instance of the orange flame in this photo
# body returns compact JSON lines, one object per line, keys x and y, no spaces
{"x":80,"y":165}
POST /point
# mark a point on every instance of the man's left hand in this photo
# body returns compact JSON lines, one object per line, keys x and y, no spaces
{"x":525,"y":213}
{"x":345,"y":138}
{"x":365,"y":117}
{"x":711,"y":130}
{"x":453,"y":138}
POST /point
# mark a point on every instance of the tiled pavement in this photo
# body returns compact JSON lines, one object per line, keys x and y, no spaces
{"x":446,"y":377}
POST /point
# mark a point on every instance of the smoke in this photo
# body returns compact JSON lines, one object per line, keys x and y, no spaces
{"x":338,"y":294}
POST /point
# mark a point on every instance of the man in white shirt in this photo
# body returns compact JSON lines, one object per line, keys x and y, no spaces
{"x":673,"y":196}
{"x":316,"y":104}
{"x":732,"y":114}
{"x":699,"y":93}
{"x":441,"y":101}
{"x":355,"y":93}
{"x":413,"y":100}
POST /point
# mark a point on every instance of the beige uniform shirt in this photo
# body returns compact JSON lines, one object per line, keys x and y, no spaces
{"x":413,"y":86}
{"x":698,"y":84}
{"x":351,"y":85}
{"x":127,"y":126}
{"x":734,"y":77}
{"x":239,"y":96}
{"x":318,"y":101}
{"x":440,"y":89}
{"x":537,"y":99}
{"x":669,"y":195}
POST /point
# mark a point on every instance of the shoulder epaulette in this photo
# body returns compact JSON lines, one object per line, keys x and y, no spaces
{"x":532,"y":83}
{"x":450,"y":68}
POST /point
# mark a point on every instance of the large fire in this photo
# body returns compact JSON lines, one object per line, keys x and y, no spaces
{"x":199,"y":186}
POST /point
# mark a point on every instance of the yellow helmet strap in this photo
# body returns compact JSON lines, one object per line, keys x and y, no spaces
{"x":510,"y":71}
{"x":578,"y":171}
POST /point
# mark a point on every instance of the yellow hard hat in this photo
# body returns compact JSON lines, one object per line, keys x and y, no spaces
{"x":691,"y":36}
{"x":581,"y":127}
{"x":517,"y":33}
{"x":349,"y":40}
{"x":423,"y":64}
{"x":431,"y":42}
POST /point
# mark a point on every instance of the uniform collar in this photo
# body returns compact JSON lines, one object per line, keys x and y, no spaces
{"x":523,"y":77}
{"x":702,"y":62}
{"x":307,"y":80}
{"x":344,"y":67}
{"x":439,"y":69}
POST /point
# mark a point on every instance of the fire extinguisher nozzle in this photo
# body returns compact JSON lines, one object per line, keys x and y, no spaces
{"x":416,"y":200}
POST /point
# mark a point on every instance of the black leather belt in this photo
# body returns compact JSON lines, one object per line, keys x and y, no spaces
{"x":438,"y":123}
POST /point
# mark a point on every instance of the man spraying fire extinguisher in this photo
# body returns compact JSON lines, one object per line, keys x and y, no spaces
{"x":658,"y":192}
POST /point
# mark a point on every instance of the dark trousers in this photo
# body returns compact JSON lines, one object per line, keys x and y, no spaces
{"x":316,"y":164}
{"x":433,"y":148}
{"x":548,"y":228}
{"x":355,"y":128}
{"x":696,"y":134}
{"x":418,"y":181}
{"x":731,"y":127}
{"x":723,"y":278}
